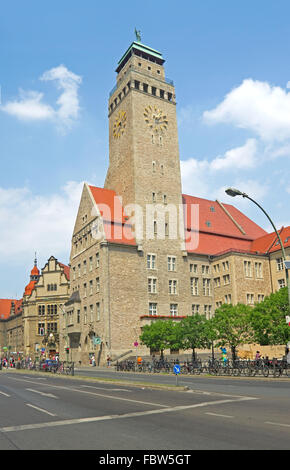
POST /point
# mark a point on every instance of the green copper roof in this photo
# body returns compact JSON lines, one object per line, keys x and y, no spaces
{"x":142,"y":48}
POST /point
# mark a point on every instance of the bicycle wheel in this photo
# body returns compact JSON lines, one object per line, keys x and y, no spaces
{"x":265,"y":371}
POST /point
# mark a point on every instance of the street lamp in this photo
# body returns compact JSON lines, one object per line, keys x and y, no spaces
{"x":236,"y":192}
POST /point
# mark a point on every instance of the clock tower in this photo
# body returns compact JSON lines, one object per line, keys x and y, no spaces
{"x":144,"y":163}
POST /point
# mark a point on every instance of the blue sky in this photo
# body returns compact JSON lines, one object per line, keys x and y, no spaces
{"x":229,"y":62}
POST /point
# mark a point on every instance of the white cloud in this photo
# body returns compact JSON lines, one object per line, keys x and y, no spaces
{"x":200,"y":177}
{"x":31,"y":222}
{"x":238,"y":158}
{"x":30,"y":106}
{"x":255,"y":106}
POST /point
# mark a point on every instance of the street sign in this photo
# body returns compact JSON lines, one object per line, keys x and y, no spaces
{"x":176,"y":369}
{"x":97,"y":340}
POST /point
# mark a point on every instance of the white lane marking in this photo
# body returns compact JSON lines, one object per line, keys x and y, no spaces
{"x":49,"y":395}
{"x":278,"y":424}
{"x":95,"y":394}
{"x":221,"y":416}
{"x":5,"y":394}
{"x":107,"y":389}
{"x":40,"y":409}
{"x":67,"y":422}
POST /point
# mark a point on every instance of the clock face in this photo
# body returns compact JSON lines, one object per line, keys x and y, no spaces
{"x":156,"y":119}
{"x":119,"y":124}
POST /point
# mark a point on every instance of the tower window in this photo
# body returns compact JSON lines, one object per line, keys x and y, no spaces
{"x":149,"y":68}
{"x":169,"y":96}
{"x":158,"y":71}
{"x":139,"y":63}
{"x":145,"y":87}
{"x":137,"y":85}
{"x":161,"y":93}
{"x":153,"y":91}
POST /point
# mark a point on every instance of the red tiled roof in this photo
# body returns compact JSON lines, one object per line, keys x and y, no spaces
{"x":29,"y":288}
{"x":218,"y":227}
{"x":66,"y":270}
{"x":35,"y":271}
{"x":270,"y":243}
{"x":5,"y":307}
{"x":116,"y":229}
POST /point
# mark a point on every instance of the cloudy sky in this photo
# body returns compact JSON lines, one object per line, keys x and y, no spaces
{"x":229,"y":62}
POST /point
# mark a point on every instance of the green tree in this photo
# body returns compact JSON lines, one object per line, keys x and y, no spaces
{"x":232,"y":326}
{"x":268,"y":319}
{"x":193,"y":333}
{"x":160,"y":335}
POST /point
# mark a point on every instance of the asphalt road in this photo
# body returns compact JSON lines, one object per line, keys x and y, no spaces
{"x":44,"y":412}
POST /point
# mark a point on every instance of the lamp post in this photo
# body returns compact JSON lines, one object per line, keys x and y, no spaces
{"x":235,"y":192}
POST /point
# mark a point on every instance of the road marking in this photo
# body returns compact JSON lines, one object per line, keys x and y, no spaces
{"x":67,"y":422}
{"x":40,"y":409}
{"x":5,"y":394}
{"x":278,"y":424}
{"x":107,"y":389}
{"x":216,"y":414}
{"x":50,"y":395}
{"x":95,"y":394}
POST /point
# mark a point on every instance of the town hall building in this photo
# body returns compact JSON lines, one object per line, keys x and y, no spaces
{"x":141,"y":249}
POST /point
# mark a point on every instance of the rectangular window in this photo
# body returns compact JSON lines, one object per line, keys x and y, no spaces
{"x":41,"y":329}
{"x":281,"y":283}
{"x":261,"y":297}
{"x":173,"y":286}
{"x":162,"y":94}
{"x":78,"y":316}
{"x":153,"y":89}
{"x":137,"y":84}
{"x":41,"y":309}
{"x":152,"y":285}
{"x":98,"y":311}
{"x":91,"y":287}
{"x":74,"y":273}
{"x":97,"y":285}
{"x":217,"y":281}
{"x":206,"y":286}
{"x":204,"y":269}
{"x":193,"y":268}
{"x":259,"y":270}
{"x":97,"y":260}
{"x":228,"y":299}
{"x":280,"y":264}
{"x":151,"y":261}
{"x":85,"y":289}
{"x":250,"y":299}
{"x":195,"y":309}
{"x":152,"y":308}
{"x":85,"y":267}
{"x":169,"y":96}
{"x":248,"y":268}
{"x":173,"y":310}
{"x":226,"y":279}
{"x":92,"y":313}
{"x":194,"y":285}
{"x":171,"y":262}
{"x":85,"y":315}
{"x":91,"y":263}
{"x":145,"y":87}
{"x":207,"y":311}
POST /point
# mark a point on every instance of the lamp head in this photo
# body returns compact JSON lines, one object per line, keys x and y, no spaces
{"x":233,"y":192}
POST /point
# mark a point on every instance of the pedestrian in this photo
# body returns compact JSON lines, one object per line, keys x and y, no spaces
{"x":258,"y":356}
{"x":93,"y":361}
{"x":108,"y":361}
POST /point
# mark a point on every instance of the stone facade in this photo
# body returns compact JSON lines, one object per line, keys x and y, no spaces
{"x":30,"y":326}
{"x":123,"y":279}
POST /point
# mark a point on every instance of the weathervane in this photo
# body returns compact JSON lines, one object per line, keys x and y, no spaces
{"x":138,"y":35}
